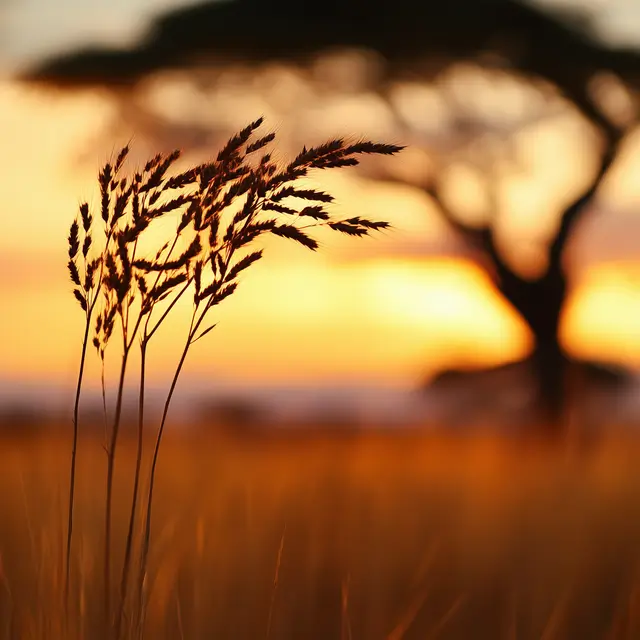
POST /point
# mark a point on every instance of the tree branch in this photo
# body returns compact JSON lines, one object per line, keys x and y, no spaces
{"x":480,"y":238}
{"x":578,"y":207}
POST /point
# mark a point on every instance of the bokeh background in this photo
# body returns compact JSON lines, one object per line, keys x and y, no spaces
{"x":511,"y":113}
{"x":359,"y":326}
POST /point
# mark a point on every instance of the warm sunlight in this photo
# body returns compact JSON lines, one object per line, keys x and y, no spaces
{"x":319,"y":320}
{"x":602,"y":317}
{"x":366,"y":313}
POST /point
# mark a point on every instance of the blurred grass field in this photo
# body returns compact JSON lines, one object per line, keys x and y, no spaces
{"x":361,"y":536}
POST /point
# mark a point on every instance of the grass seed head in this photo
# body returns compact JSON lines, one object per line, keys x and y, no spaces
{"x":73,"y":240}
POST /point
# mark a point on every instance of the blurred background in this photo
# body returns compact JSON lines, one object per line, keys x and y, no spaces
{"x":505,"y":297}
{"x":510,"y":279}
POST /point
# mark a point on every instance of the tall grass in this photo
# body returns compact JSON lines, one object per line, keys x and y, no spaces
{"x":405,"y":536}
{"x":222,"y":209}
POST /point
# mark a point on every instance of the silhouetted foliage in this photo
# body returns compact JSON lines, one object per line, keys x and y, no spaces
{"x":404,"y":32}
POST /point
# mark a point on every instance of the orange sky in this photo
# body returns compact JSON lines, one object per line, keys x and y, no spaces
{"x":371,"y":315}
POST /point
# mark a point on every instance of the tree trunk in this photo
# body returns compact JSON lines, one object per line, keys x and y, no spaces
{"x":550,"y":367}
{"x":540,"y":302}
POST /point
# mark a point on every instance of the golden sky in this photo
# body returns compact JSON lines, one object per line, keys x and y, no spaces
{"x":388,"y":313}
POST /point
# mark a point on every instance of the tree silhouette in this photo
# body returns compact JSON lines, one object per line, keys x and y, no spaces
{"x":415,"y":40}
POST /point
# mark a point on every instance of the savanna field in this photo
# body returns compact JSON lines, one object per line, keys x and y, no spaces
{"x":286,"y":305}
{"x":323,"y":535}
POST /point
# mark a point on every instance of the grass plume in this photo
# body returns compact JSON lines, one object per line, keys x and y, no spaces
{"x":222,"y":209}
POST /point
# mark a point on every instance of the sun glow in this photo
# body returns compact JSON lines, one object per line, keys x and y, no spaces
{"x":375,"y":314}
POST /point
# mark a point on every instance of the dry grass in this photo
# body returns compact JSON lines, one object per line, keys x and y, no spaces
{"x":223,"y":207}
{"x":367,"y":537}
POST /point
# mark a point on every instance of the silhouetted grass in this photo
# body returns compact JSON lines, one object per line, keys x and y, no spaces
{"x":222,"y":208}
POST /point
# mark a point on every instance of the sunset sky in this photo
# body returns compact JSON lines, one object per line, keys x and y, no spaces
{"x":387,"y":311}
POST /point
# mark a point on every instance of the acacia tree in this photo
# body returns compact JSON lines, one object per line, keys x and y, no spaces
{"x":561,"y":55}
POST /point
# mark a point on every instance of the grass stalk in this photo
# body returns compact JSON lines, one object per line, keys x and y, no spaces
{"x":132,"y":286}
{"x":146,"y":535}
{"x":144,"y":343}
{"x":111,"y":457}
{"x":126,"y":567}
{"x":72,"y":469}
{"x":89,"y":306}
